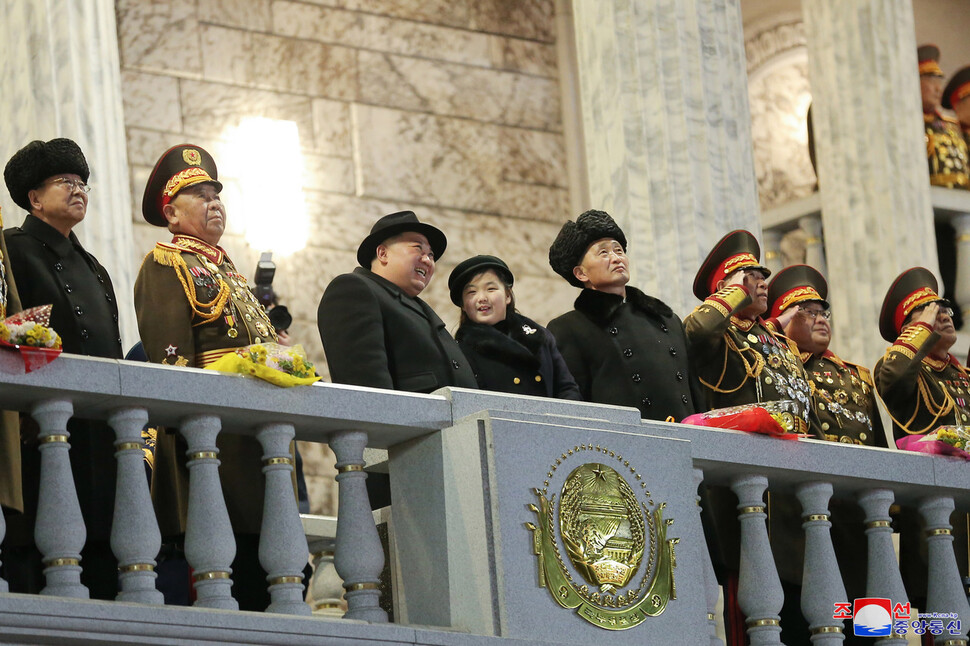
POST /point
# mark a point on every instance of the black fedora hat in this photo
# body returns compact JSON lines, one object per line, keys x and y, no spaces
{"x":179,"y":167}
{"x":913,"y":288}
{"x":393,"y":224}
{"x":468,"y":269}
{"x":739,"y":249}
{"x":38,"y":160}
{"x":574,"y":239}
{"x":794,"y":285}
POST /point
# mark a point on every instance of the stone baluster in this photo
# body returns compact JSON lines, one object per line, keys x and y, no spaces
{"x":135,"y":539}
{"x":961,"y":225}
{"x":772,"y":249}
{"x":760,"y":595}
{"x":944,"y":590}
{"x":710,"y":580}
{"x":359,"y":557}
{"x":209,"y":543}
{"x":282,"y":543}
{"x":59,"y":531}
{"x":822,"y":583}
{"x":814,"y":243}
{"x":883,"y":579}
{"x":325,"y":584}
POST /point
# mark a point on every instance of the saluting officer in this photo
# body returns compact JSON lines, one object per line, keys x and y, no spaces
{"x":622,"y":346}
{"x":844,"y":392}
{"x":193,"y":307}
{"x":922,"y":384}
{"x":739,"y":359}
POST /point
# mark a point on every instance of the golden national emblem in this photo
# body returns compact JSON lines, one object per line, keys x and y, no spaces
{"x":620,"y":562}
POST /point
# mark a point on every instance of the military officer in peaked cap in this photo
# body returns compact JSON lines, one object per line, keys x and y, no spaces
{"x":924,"y":387}
{"x":193,"y":307}
{"x":946,"y":149}
{"x":739,"y":358}
{"x":622,"y":346}
{"x":922,"y":384}
{"x":49,"y":181}
{"x":844,"y":392}
{"x":956,"y":97}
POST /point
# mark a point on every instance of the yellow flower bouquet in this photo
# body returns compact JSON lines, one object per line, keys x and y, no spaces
{"x":944,"y":440}
{"x":279,"y":365}
{"x":29,"y":333}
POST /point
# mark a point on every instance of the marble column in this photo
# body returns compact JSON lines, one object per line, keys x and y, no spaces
{"x":60,"y":77}
{"x":665,"y":124}
{"x":876,"y":211}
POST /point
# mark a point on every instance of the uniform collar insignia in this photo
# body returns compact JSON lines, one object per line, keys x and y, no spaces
{"x":831,"y":356}
{"x":742,"y":324}
{"x":193,"y":244}
{"x":939,"y":364}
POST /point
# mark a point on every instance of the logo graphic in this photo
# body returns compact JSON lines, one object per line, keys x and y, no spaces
{"x":619,"y":564}
{"x":878,"y":617}
{"x":872,"y":617}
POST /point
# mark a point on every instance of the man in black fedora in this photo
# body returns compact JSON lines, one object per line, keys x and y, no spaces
{"x":375,"y":330}
{"x":49,"y":181}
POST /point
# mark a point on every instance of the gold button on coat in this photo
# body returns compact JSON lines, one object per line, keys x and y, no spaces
{"x":516,"y":381}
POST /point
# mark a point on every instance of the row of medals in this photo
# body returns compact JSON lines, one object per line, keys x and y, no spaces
{"x":790,"y":386}
{"x":255,"y":313}
{"x":835,"y":402}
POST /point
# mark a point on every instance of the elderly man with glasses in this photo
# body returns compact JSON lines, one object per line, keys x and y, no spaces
{"x":49,"y":181}
{"x":844,"y":393}
{"x":922,"y":384}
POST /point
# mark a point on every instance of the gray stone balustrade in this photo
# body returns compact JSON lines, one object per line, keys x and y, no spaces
{"x":59,"y":531}
{"x":710,"y":580}
{"x":135,"y":539}
{"x":822,"y":584}
{"x":944,"y":590}
{"x":760,"y":595}
{"x":126,"y":394}
{"x":882,"y":572}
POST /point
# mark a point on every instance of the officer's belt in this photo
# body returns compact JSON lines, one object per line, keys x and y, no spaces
{"x":203,"y":359}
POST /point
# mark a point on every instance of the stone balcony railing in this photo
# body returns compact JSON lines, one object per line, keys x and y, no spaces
{"x":462,"y":467}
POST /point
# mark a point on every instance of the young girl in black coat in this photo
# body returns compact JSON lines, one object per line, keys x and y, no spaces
{"x":507,"y":351}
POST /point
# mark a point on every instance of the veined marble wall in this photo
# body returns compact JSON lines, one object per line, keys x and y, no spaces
{"x":447,"y":107}
{"x":779,"y":96}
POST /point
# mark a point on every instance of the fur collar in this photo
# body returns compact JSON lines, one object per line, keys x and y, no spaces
{"x":602,"y":306}
{"x":521,"y":345}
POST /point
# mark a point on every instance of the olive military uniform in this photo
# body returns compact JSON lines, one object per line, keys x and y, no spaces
{"x":745,"y":362}
{"x":11,"y":491}
{"x":845,"y":400}
{"x":921,"y":392}
{"x":193,"y":307}
{"x":946,"y":151}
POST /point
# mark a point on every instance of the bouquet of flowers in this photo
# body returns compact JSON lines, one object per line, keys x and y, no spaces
{"x":944,"y":440}
{"x":776,"y":418}
{"x":30,"y":334}
{"x":279,"y":365}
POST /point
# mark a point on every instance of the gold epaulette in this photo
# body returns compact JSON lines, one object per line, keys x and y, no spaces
{"x":166,"y":254}
{"x":911,"y":340}
{"x":864,"y":374}
{"x":727,"y":299}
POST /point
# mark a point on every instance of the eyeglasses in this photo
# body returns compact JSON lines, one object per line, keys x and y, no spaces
{"x":811,"y":315}
{"x":71,"y":184}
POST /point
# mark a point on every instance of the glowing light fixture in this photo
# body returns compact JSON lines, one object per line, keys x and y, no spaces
{"x":263,"y":156}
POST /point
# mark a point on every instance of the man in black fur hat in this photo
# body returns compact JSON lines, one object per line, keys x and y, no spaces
{"x":622,"y":346}
{"x":49,"y":181}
